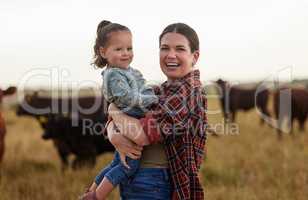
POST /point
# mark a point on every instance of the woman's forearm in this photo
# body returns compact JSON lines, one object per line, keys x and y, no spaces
{"x":128,"y":126}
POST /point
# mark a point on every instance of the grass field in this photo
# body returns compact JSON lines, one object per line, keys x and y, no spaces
{"x":249,"y":165}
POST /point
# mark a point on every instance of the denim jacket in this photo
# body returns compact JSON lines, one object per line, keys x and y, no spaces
{"x":126,"y":88}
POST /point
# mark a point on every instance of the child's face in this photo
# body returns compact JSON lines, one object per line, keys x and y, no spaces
{"x":119,"y":49}
{"x":176,"y":58}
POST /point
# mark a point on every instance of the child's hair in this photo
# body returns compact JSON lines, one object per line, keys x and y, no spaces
{"x":184,"y":30}
{"x":103,"y":31}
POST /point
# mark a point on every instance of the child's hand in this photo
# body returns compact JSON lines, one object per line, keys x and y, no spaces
{"x":123,"y":160}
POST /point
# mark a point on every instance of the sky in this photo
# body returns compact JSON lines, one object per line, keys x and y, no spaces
{"x":51,"y":42}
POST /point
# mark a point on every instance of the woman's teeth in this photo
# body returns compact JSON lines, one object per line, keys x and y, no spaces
{"x":172,"y":65}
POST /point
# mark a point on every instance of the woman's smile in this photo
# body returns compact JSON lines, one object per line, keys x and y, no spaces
{"x":172,"y":65}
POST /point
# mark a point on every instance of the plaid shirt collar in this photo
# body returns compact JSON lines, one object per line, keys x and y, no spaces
{"x":192,"y":79}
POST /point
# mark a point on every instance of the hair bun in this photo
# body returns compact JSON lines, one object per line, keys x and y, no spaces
{"x":102,"y":24}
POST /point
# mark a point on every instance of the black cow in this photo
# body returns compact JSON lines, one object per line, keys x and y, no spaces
{"x":234,"y":99}
{"x":84,"y":140}
{"x":34,"y":105}
{"x":290,"y":104}
{"x":85,"y":107}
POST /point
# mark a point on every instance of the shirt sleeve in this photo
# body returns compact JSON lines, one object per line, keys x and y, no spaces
{"x":124,"y":95}
{"x":147,"y":94}
{"x":150,"y":128}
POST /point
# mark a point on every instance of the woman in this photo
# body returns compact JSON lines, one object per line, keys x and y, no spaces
{"x":181,"y":118}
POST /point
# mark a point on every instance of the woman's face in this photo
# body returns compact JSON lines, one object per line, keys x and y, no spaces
{"x":176,"y":58}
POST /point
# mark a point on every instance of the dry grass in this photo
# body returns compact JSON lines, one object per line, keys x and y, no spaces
{"x":250,"y":165}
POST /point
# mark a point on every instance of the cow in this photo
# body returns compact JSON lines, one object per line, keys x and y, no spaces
{"x":87,"y":106}
{"x":234,"y":99}
{"x":290,"y":104}
{"x":2,"y":135}
{"x":9,"y":91}
{"x":34,"y":104}
{"x":85,"y":140}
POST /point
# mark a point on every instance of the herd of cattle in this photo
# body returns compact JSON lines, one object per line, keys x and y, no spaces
{"x":289,"y":104}
{"x":75,"y":124}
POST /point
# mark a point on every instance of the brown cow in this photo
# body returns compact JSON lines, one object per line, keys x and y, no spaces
{"x":2,"y":134}
{"x":234,"y":99}
{"x":9,"y":91}
{"x":290,"y":104}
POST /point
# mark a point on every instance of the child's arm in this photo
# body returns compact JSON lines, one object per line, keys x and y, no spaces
{"x":126,"y":94}
{"x":128,"y":126}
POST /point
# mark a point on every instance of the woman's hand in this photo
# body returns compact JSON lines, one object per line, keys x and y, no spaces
{"x":123,"y":145}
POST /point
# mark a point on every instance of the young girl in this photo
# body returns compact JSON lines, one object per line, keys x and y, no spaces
{"x":181,"y":119}
{"x":125,"y":87}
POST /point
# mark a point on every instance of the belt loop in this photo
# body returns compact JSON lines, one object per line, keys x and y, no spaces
{"x":166,"y":174}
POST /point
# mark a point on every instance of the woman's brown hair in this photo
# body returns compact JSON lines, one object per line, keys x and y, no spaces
{"x":184,"y":30}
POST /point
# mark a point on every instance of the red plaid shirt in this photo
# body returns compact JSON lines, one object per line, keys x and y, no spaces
{"x":182,"y":121}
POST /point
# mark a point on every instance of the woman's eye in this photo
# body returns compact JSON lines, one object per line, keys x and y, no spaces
{"x":181,"y":49}
{"x":163,"y":48}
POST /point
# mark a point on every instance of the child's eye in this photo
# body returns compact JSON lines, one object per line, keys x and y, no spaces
{"x":130,"y":49}
{"x":118,"y":49}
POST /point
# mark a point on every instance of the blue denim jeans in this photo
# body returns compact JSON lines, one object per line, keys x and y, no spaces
{"x":116,"y":172}
{"x":147,"y":184}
